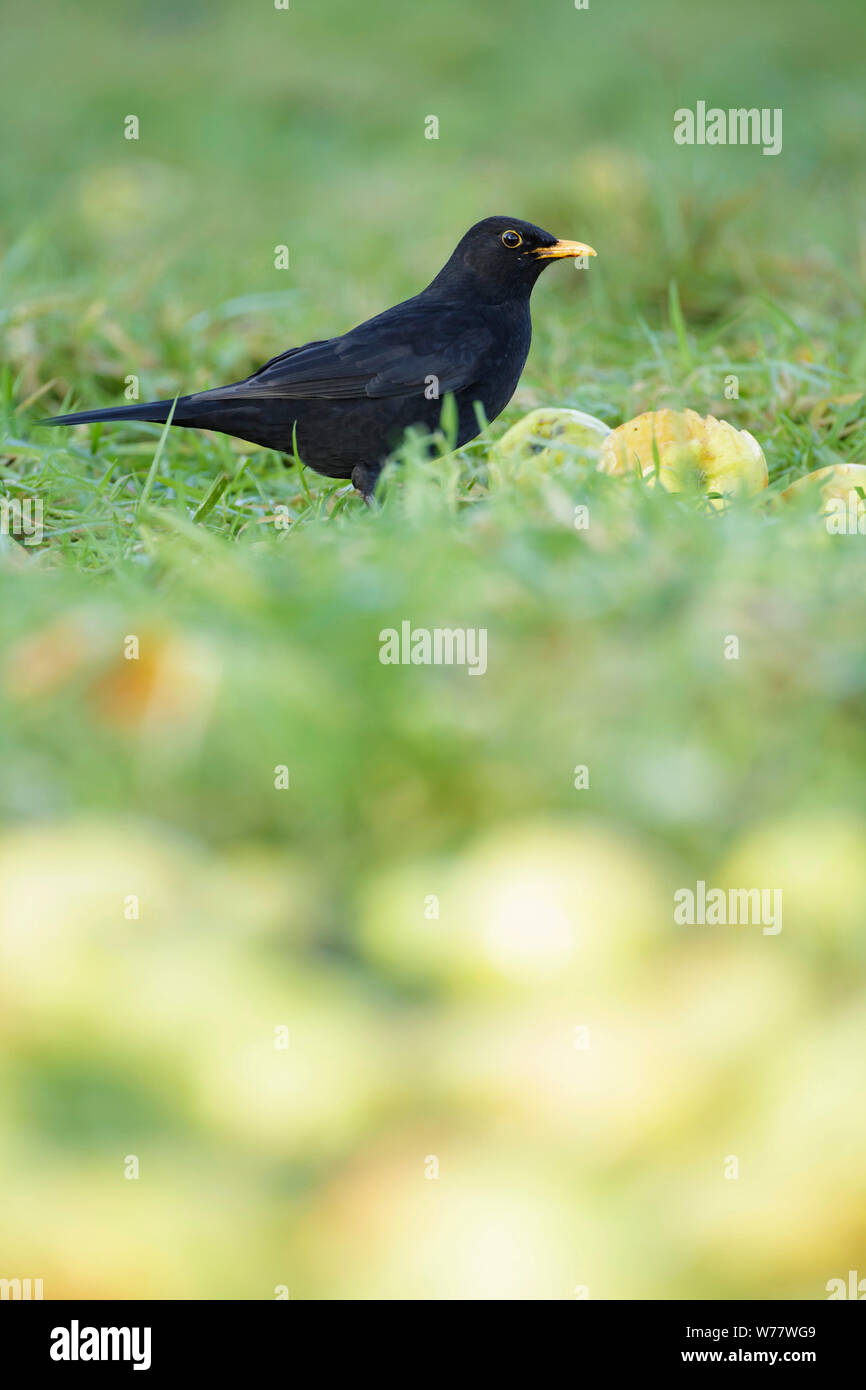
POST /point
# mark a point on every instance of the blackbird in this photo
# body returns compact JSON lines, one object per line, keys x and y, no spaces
{"x":345,"y":403}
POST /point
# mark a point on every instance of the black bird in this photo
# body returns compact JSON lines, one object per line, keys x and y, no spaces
{"x":348,"y":401}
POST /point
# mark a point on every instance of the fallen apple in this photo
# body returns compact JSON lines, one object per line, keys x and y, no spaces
{"x":552,"y":436}
{"x":839,"y":495}
{"x":686,"y":451}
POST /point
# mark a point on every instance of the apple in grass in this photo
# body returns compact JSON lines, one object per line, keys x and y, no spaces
{"x":838,"y":492}
{"x":686,"y":452}
{"x":551,"y":436}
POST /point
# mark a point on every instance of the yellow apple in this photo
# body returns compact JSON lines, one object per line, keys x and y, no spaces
{"x":839,"y":494}
{"x":552,"y":436}
{"x":686,"y":451}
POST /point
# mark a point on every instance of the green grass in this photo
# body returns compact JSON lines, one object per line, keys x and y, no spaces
{"x":258,"y":591}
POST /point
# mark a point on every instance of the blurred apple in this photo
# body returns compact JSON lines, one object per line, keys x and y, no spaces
{"x":293,"y":1066}
{"x":543,"y":906}
{"x":838,"y":494}
{"x":88,"y":1232}
{"x":794,"y":1216}
{"x":817,"y":861}
{"x":550,"y":437}
{"x":436,"y":1214}
{"x":621,"y":1074}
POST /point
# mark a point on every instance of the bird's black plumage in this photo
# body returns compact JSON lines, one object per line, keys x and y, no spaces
{"x":348,"y":401}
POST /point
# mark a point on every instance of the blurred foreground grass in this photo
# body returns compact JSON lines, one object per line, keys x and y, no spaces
{"x":309,"y":908}
{"x":148,"y":785}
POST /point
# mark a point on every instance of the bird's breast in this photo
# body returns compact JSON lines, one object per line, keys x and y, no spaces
{"x":499,"y":375}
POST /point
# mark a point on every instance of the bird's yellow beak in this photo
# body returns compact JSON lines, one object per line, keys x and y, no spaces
{"x":564,"y":248}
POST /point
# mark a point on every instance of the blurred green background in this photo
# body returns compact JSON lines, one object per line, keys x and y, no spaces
{"x":581,"y":1067}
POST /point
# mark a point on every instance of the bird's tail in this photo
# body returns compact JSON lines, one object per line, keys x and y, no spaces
{"x":155,"y":411}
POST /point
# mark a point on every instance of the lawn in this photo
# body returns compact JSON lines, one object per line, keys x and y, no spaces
{"x":221,"y":816}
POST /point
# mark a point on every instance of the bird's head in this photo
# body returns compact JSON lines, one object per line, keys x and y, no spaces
{"x":502,"y":257}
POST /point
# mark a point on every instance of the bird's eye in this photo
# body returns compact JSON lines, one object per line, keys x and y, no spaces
{"x":512,"y":240}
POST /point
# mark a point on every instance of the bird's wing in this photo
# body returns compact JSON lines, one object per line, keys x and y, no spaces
{"x":395,"y":354}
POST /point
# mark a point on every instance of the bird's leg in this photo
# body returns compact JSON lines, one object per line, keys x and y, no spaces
{"x":364,"y":477}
